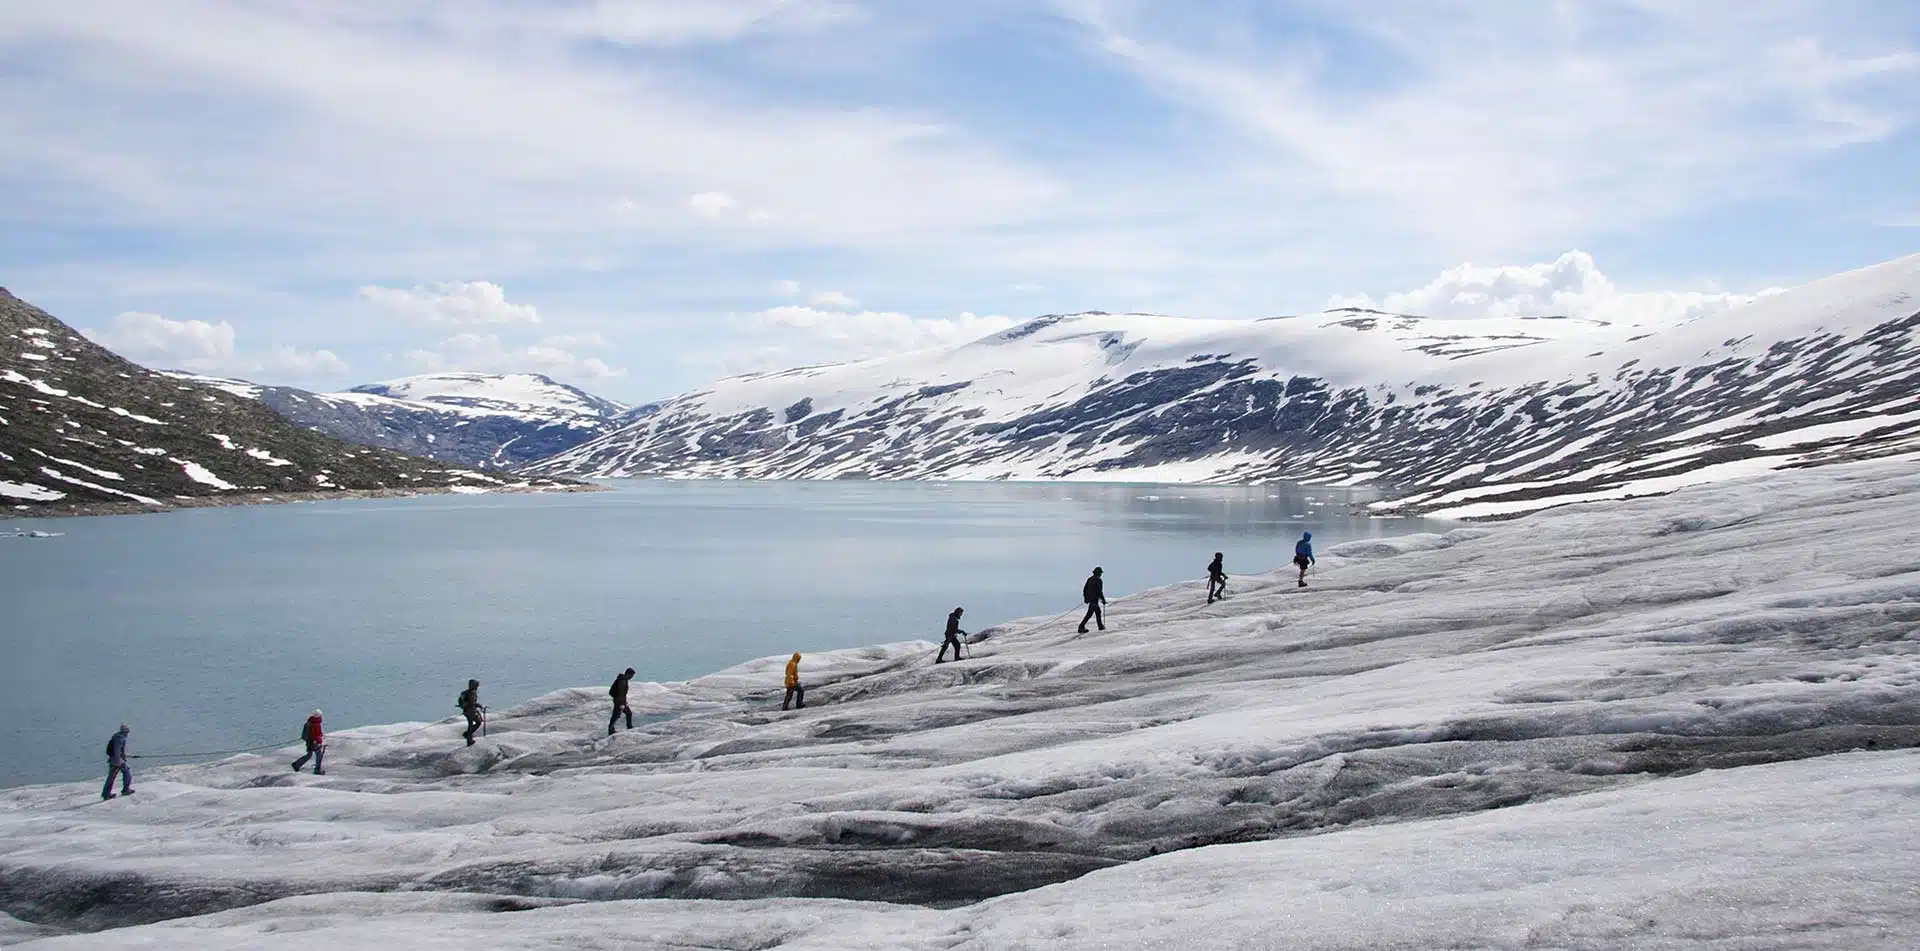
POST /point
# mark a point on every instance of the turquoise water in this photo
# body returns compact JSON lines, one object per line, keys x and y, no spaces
{"x":220,"y":628}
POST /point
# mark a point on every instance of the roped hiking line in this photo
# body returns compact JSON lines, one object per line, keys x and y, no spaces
{"x":1092,"y":590}
{"x":275,"y":746}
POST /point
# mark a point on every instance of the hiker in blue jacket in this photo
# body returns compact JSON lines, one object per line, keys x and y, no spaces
{"x":117,"y":765}
{"x":1303,"y":555}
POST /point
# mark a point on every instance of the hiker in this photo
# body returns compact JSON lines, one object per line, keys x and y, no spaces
{"x":619,"y":694}
{"x":953,"y":636}
{"x":316,"y":740}
{"x":796,"y":694}
{"x":1303,"y":555}
{"x":476,"y":714}
{"x":1216,"y":578}
{"x":117,"y":765}
{"x":1094,"y":592}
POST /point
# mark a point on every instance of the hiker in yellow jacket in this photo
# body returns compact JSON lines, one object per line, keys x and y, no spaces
{"x":796,"y":694}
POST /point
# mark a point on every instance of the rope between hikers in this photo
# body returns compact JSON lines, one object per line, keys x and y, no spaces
{"x":275,"y":746}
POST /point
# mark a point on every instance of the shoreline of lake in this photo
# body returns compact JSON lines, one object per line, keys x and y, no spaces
{"x":237,"y":499}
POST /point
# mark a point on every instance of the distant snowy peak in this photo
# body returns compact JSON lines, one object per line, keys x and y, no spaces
{"x":495,"y":421}
{"x":1478,"y":417}
{"x":500,"y":392}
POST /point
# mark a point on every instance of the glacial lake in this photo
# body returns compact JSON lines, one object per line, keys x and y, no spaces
{"x":220,"y":628}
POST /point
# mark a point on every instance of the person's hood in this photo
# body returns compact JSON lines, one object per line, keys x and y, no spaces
{"x":1306,"y":536}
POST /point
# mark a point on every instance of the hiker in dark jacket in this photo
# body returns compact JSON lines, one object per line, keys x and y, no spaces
{"x":953,"y":636}
{"x":470,"y":706}
{"x":1094,"y":592}
{"x":117,"y":765}
{"x":1303,"y":555}
{"x":1216,"y":578}
{"x":619,"y":694}
{"x":315,"y":736}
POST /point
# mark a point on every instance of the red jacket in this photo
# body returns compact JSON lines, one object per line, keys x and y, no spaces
{"x":312,"y":732}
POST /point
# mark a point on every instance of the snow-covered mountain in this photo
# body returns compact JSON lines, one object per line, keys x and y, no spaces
{"x":497,"y":421}
{"x":1687,"y":722}
{"x":1469,"y":417}
{"x":83,"y":430}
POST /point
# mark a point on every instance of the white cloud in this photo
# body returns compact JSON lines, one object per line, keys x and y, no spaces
{"x":1497,"y":125}
{"x":201,"y":347}
{"x":835,"y":299}
{"x":1571,"y":285}
{"x":712,"y":204}
{"x":462,"y":302}
{"x":786,"y":288}
{"x":555,"y":356}
{"x":1026,"y":287}
{"x":388,"y":121}
{"x":794,"y":334}
{"x":677,"y":22}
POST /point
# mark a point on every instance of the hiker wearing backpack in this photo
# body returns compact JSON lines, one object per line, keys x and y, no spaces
{"x":619,"y":694}
{"x":1094,"y":592}
{"x":1303,"y":555}
{"x":117,"y":765}
{"x":469,"y":704}
{"x":315,"y":736}
{"x":1216,"y":578}
{"x":953,"y":636}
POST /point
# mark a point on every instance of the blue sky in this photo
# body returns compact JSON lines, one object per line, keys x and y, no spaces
{"x":638,"y":197}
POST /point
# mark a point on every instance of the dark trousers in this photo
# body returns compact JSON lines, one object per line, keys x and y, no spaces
{"x":316,"y":752}
{"x":619,"y":708}
{"x":1216,"y":587}
{"x":796,"y":695}
{"x":1094,"y":615}
{"x":953,"y":642}
{"x":473,"y":725}
{"x":125,"y":773}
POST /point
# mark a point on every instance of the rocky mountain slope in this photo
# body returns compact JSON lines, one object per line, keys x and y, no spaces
{"x":489,"y":420}
{"x":83,"y":430}
{"x":1467,"y":417}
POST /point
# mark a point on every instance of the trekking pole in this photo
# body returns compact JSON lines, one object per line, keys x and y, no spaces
{"x":483,"y":721}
